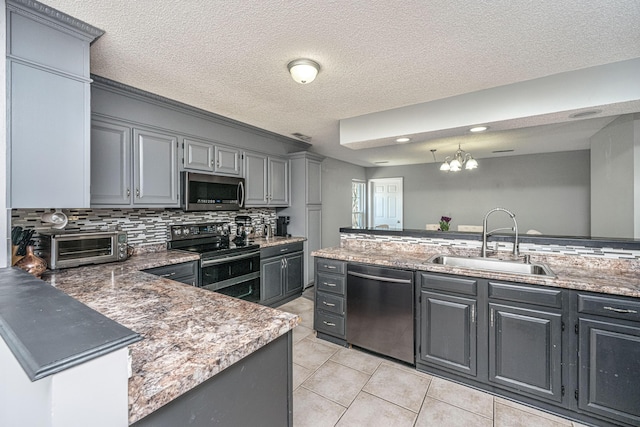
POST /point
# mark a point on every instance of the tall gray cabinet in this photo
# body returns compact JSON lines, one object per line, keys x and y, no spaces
{"x":306,"y":206}
{"x":48,"y":85}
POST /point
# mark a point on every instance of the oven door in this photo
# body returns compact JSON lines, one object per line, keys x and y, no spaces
{"x":236,"y":275}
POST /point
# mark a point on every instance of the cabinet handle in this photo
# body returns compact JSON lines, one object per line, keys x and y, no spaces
{"x":621,"y":310}
{"x":473,"y":314}
{"x":128,"y":192}
{"x":213,"y":162}
{"x":491,"y":317}
{"x":168,"y":274}
{"x":328,"y":323}
{"x":328,"y":304}
{"x":137,"y":192}
{"x":331,"y":285}
{"x":330,"y":267}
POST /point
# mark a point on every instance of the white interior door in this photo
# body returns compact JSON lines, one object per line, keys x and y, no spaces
{"x":385,"y":203}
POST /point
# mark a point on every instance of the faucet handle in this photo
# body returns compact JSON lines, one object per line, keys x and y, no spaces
{"x":527,"y":259}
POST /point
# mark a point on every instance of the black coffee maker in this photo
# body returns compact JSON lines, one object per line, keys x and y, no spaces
{"x":281,"y":226}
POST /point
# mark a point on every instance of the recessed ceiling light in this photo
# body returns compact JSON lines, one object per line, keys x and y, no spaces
{"x":403,"y":139}
{"x":478,"y":129}
{"x":584,"y":114}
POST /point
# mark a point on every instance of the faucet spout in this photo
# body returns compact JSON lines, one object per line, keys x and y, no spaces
{"x":485,"y":234}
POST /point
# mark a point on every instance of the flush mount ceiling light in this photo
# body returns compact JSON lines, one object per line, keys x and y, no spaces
{"x":478,"y":129}
{"x":303,"y":71}
{"x":459,"y":159}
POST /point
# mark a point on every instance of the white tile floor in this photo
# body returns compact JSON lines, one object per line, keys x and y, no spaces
{"x":336,"y":386}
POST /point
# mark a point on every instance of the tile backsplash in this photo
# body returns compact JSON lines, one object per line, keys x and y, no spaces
{"x":144,"y":227}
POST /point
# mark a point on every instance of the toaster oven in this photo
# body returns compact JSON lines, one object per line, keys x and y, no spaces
{"x":63,"y":249}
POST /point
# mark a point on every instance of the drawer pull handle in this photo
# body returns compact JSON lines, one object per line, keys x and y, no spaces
{"x":621,"y":310}
{"x":332,"y":285}
{"x":328,"y":323}
{"x":330,"y":267}
{"x":328,"y":304}
{"x":168,"y":274}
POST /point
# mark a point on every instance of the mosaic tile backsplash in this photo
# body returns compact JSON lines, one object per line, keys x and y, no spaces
{"x":146,"y":229}
{"x":472,"y":247}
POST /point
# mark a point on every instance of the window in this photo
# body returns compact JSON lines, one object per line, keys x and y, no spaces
{"x":358,"y":203}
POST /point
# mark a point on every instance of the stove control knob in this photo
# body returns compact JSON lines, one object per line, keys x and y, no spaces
{"x":177,"y":231}
{"x":185,"y":231}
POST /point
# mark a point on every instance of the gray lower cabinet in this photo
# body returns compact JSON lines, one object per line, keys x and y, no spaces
{"x":329,"y":318}
{"x":281,"y":272}
{"x":186,"y":272}
{"x":609,"y":357}
{"x":132,"y":166}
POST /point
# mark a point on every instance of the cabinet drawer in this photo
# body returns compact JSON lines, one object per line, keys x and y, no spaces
{"x":528,"y":294}
{"x":329,"y":323}
{"x":280,"y":250}
{"x":175,"y":271}
{"x":328,"y":302}
{"x":331,"y":283}
{"x":331,"y":266}
{"x":610,"y":307}
{"x":449,"y":284}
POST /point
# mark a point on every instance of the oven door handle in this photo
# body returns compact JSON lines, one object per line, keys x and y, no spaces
{"x":209,"y":263}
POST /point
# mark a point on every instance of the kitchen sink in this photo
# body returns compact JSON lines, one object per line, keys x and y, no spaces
{"x":490,"y":264}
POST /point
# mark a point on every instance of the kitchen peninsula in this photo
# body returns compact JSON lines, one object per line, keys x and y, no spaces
{"x":198,"y":346}
{"x":566,"y":340}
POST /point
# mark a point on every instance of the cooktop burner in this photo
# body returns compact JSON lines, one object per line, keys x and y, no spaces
{"x":211,"y":239}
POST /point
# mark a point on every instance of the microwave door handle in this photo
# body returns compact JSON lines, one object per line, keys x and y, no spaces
{"x":241,"y":194}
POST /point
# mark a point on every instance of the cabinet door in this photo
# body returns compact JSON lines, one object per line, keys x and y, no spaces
{"x":609,"y":370}
{"x":155,"y":168}
{"x":255,"y":175}
{"x":314,"y":240}
{"x":278,"y":193}
{"x":227,"y":161}
{"x":314,"y":182}
{"x":110,"y":164}
{"x":49,"y":139}
{"x":271,"y":280}
{"x":198,"y":155}
{"x":525,"y":350}
{"x":448,"y":332}
{"x":294,"y":276}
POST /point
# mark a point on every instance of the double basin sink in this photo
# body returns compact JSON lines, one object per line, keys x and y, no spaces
{"x":490,"y":264}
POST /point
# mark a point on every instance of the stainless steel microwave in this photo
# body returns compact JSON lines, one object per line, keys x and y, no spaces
{"x":64,"y":249}
{"x":203,"y":192}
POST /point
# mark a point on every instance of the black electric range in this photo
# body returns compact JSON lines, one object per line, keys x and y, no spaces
{"x":226,"y":266}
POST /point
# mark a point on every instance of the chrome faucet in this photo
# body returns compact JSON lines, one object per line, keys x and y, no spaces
{"x":483,"y":251}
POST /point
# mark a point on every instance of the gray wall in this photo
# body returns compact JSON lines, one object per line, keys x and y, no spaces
{"x":336,"y":198}
{"x":548,"y":192}
{"x":615,"y":179}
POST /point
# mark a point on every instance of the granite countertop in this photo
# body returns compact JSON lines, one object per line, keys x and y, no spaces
{"x":624,"y":279}
{"x":189,"y":334}
{"x":266,"y":242}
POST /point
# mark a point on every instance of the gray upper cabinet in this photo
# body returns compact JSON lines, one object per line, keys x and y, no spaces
{"x":155,"y":168}
{"x":209,"y":157}
{"x":266,"y":180}
{"x":48,"y":107}
{"x":132,"y":167}
{"x":110,"y":164}
{"x":197,"y":155}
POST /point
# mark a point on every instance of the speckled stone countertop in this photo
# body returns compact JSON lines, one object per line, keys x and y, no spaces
{"x":265,"y":242}
{"x":618,"y":277}
{"x":190,"y":334}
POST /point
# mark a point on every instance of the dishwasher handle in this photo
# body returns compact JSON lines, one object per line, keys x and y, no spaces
{"x":382,"y":279}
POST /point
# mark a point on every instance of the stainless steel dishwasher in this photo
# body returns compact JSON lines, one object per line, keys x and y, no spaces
{"x":380,"y":310}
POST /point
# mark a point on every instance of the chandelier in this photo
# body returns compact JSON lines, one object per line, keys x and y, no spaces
{"x":459,"y":159}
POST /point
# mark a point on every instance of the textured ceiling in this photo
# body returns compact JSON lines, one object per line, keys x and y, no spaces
{"x":230,"y":58}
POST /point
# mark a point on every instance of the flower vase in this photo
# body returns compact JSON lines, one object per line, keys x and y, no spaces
{"x":31,"y":263}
